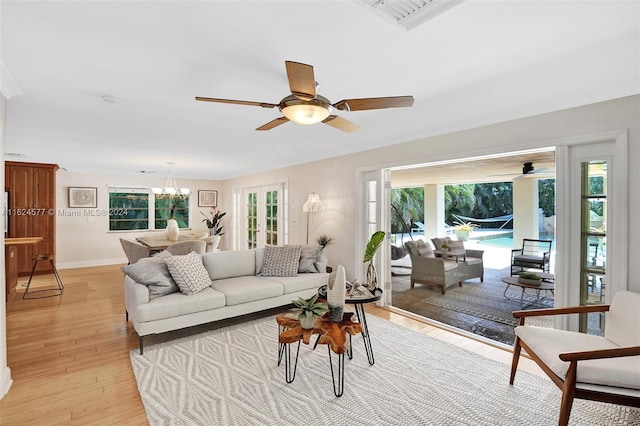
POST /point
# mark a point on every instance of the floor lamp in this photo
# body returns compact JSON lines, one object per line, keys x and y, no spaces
{"x":312,"y":205}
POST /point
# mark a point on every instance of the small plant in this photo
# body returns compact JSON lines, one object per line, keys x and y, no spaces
{"x":372,"y":246}
{"x":464,"y":226}
{"x":445,"y":246}
{"x":530,"y":276}
{"x":172,"y":211}
{"x":324,"y":240}
{"x":310,"y":308}
{"x":215,"y":221}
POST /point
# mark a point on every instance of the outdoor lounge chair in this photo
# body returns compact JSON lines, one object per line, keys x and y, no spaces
{"x":430,"y":270}
{"x":417,"y":227}
{"x":534,"y":254}
{"x":584,"y":366}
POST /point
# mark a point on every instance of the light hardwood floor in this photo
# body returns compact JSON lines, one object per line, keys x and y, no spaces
{"x":69,"y":355}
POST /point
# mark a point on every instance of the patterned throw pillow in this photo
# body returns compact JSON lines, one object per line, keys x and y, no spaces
{"x":189,"y":273}
{"x":280,"y":261}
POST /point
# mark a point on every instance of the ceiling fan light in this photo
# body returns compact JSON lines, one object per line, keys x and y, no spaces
{"x":305,"y":113}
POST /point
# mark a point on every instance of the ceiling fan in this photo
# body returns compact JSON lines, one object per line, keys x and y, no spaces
{"x":305,"y":106}
{"x":528,"y":171}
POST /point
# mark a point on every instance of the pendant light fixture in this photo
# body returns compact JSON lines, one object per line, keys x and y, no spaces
{"x":171,"y":188}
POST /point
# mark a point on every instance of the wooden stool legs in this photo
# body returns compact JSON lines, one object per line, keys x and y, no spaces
{"x":52,"y":292}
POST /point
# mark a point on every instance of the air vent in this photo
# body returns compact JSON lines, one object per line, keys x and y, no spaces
{"x":147,"y":172}
{"x":14,"y":155}
{"x":407,"y":14}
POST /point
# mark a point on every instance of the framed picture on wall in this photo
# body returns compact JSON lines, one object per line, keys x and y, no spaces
{"x":207,"y":198}
{"x":83,"y":197}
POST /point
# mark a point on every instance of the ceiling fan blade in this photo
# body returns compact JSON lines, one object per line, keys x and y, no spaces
{"x":273,"y":123}
{"x":374,"y":103}
{"x":341,"y":124}
{"x":301,"y":80}
{"x":233,"y":101}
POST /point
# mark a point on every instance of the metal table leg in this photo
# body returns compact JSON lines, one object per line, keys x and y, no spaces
{"x":362,"y":319}
{"x":338,"y":377}
{"x":289,"y":371}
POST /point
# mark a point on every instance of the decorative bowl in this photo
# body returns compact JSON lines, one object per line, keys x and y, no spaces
{"x":529,"y":281}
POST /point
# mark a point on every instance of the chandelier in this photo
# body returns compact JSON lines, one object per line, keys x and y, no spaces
{"x":171,"y":189}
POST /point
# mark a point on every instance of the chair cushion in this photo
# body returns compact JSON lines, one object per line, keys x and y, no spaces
{"x":450,"y":265}
{"x":548,"y":343}
{"x":526,"y":258}
{"x":622,"y":324}
{"x":424,"y":249}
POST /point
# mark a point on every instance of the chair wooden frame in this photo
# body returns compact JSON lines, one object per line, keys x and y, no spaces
{"x":534,"y":254}
{"x":568,"y":384}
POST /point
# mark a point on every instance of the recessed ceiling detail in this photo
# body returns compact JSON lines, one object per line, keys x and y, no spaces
{"x":407,"y":14}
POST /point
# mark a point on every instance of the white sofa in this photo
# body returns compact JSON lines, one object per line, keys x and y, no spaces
{"x":237,"y":288}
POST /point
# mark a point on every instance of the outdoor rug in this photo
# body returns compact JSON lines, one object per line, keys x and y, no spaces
{"x":230,"y":376}
{"x":486,"y":301}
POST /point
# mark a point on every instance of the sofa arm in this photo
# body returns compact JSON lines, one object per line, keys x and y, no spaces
{"x":135,"y":294}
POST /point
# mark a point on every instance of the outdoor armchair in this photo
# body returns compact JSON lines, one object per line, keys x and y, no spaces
{"x":534,"y":254}
{"x":430,"y":270}
{"x":584,"y":366}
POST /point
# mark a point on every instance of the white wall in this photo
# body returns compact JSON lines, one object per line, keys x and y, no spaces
{"x":5,"y":371}
{"x":85,"y":240}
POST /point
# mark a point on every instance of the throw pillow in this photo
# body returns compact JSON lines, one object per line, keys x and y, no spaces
{"x":308,"y":258}
{"x":424,"y":249}
{"x":438,"y":242}
{"x":455,"y":244}
{"x":189,"y":273}
{"x":281,"y":261}
{"x":152,"y":272}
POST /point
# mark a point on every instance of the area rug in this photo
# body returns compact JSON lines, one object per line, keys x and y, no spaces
{"x":487,"y":301}
{"x":230,"y":376}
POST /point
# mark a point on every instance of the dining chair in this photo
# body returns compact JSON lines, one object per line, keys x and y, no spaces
{"x":134,"y":250}
{"x":186,"y":247}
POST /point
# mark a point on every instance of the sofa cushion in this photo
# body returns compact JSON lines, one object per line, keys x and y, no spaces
{"x":247,"y":289}
{"x":225,"y":264}
{"x":301,"y":282}
{"x":189,"y":273}
{"x":548,"y":343}
{"x":152,"y":272}
{"x":280,"y":261}
{"x":176,"y":304}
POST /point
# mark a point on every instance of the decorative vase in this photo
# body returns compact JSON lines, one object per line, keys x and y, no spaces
{"x":172,"y":232}
{"x":215,"y":241}
{"x":212,"y":232}
{"x":307,"y":323}
{"x":335,"y":295}
{"x":372,"y":277}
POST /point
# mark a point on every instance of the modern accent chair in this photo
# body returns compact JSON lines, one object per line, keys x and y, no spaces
{"x":186,"y":247}
{"x":584,"y":366}
{"x":534,"y":254}
{"x":471,"y":265}
{"x":428,"y":269}
{"x":134,"y":250}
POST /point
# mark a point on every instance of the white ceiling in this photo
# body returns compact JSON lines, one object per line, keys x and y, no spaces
{"x":477,"y":63}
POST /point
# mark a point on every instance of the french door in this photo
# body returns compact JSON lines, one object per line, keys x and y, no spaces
{"x":262,"y":216}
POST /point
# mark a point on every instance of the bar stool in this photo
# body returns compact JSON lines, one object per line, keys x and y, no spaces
{"x":58,"y":291}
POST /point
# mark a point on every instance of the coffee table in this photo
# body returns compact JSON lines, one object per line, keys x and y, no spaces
{"x":332,"y":334}
{"x":546,"y":284}
{"x":358,"y":304}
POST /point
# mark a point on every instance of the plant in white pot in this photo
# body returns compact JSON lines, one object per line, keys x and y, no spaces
{"x":369,"y":254}
{"x":309,"y":310}
{"x":464,"y":230}
{"x":323,"y":241}
{"x":215,"y":226}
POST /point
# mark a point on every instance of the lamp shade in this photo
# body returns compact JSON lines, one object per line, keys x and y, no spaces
{"x":313,"y":204}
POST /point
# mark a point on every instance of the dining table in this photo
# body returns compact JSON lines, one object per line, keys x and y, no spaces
{"x":160,"y":243}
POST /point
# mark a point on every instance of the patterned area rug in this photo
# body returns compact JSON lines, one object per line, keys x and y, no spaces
{"x":230,"y":377}
{"x":487,"y":301}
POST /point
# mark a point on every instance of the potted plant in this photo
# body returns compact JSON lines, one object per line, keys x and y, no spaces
{"x":464,"y":229}
{"x":309,"y":310}
{"x":214,"y":224}
{"x":530,"y":278}
{"x":369,"y":253}
{"x":323,"y":241}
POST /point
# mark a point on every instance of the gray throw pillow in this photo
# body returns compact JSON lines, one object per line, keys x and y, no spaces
{"x":281,"y":261}
{"x":189,"y":273}
{"x":308,"y":258}
{"x":152,"y":272}
{"x":438,"y":242}
{"x":424,"y":249}
{"x":455,"y":244}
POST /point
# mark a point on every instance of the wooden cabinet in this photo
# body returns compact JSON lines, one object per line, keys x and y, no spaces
{"x":32,"y":210}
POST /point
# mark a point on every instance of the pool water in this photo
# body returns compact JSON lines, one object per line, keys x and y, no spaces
{"x":507,"y":242}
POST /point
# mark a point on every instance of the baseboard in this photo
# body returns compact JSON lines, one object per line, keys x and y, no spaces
{"x":90,"y":263}
{"x":5,"y":381}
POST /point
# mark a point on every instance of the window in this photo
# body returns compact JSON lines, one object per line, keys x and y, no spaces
{"x":138,"y":209}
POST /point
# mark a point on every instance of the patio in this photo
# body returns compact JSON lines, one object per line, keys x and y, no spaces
{"x":479,"y":308}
